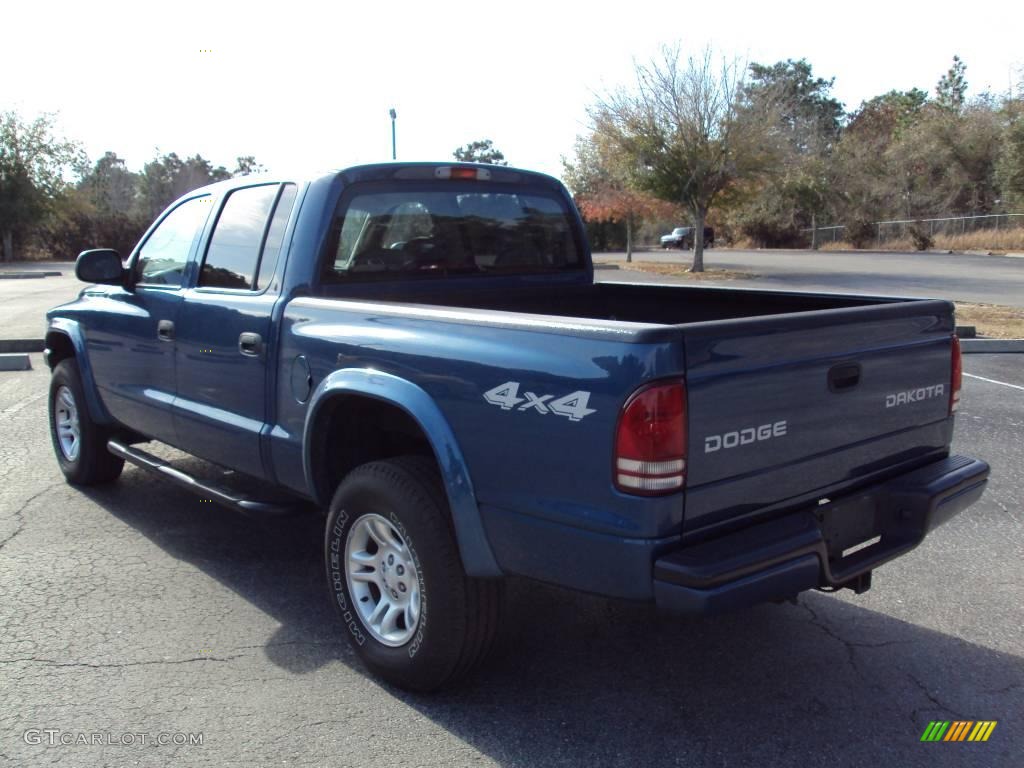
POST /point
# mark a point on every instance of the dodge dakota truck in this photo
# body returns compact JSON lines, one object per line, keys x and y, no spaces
{"x":421,"y":352}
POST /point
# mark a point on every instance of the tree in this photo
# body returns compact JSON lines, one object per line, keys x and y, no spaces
{"x":804,"y":108}
{"x":807,"y":123}
{"x":951,"y":90}
{"x":684,"y":125}
{"x":246,"y":164}
{"x":111,"y":186}
{"x":1010,"y":169}
{"x":166,"y":178}
{"x":34,"y":162}
{"x":482,"y":151}
{"x":606,"y":190}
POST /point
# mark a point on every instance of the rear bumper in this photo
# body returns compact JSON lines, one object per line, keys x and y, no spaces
{"x":821,"y":547}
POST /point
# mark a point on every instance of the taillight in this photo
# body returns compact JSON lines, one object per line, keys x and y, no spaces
{"x":462,"y":173}
{"x":957,"y":378}
{"x":650,"y":442}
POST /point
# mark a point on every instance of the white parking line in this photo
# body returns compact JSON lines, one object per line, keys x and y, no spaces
{"x":993,"y":381}
{"x":21,"y":404}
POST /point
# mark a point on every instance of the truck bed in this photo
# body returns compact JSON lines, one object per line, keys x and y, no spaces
{"x":615,"y":301}
{"x":820,"y":366}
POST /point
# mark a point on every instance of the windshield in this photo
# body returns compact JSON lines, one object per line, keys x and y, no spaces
{"x":450,"y":227}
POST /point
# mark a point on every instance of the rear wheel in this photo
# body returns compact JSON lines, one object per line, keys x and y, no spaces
{"x":410,"y":611}
{"x":79,"y":443}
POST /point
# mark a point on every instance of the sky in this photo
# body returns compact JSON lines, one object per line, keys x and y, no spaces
{"x":307,"y":86}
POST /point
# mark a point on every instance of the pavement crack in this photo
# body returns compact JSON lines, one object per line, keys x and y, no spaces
{"x":1006,"y":689}
{"x":19,"y":513}
{"x":284,"y":643}
{"x":118,"y":665}
{"x":932,"y":698}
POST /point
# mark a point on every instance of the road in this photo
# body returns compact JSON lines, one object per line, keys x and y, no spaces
{"x":961,"y":277}
{"x":23,"y":302}
{"x":984,"y":279}
{"x":137,"y":608}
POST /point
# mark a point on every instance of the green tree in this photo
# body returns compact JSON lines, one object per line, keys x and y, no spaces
{"x":1010,"y":167}
{"x":807,"y":122}
{"x":951,"y":90}
{"x":684,"y":124}
{"x":167,"y":177}
{"x":246,"y":164}
{"x":34,"y":165}
{"x":111,"y":186}
{"x":803,"y":105}
{"x":482,"y":151}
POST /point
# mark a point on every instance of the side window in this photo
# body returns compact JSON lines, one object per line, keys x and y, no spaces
{"x":163,"y":256}
{"x":234,"y":249}
{"x":275,"y":235}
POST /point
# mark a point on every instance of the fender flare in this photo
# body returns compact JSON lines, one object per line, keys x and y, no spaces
{"x":474,"y":547}
{"x":72,"y":330}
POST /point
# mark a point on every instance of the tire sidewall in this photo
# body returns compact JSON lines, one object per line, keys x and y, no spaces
{"x":66,"y":375}
{"x":431,"y":654}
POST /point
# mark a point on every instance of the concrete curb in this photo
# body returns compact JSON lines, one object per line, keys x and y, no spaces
{"x":15,"y":362}
{"x":991,"y":345}
{"x":21,"y":345}
{"x":27,"y":275}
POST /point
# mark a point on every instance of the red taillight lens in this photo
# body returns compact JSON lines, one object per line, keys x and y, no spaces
{"x":958,"y":376}
{"x":462,"y":173}
{"x":650,"y":443}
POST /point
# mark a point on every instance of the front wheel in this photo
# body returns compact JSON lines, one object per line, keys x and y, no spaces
{"x":396,"y":579}
{"x":79,"y":443}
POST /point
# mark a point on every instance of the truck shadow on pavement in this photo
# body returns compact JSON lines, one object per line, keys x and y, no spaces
{"x":583,"y":680}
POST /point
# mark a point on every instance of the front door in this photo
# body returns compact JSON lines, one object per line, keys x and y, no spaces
{"x":131,"y":343}
{"x":224,"y":337}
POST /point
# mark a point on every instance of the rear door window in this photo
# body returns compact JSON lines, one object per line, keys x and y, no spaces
{"x":234,"y":250}
{"x":275,"y":235}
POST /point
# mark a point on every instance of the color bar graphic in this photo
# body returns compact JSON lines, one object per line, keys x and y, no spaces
{"x":959,"y":730}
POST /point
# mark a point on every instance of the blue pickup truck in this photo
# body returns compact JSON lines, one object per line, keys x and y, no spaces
{"x":420,"y":351}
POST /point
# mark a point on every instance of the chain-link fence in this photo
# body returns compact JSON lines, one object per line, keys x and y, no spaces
{"x":956,"y":225}
{"x":887,"y":231}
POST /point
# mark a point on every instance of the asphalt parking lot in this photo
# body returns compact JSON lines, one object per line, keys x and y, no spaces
{"x":957,"y":276}
{"x":138,"y":609}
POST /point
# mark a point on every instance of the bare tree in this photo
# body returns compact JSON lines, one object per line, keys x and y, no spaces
{"x":685,"y":126}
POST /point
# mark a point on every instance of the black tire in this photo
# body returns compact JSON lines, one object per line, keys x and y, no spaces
{"x":92,"y":463}
{"x":459,"y":615}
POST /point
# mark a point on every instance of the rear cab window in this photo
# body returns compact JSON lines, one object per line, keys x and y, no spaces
{"x":397,"y":230}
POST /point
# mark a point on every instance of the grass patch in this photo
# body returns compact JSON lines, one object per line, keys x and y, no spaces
{"x":992,"y":320}
{"x":683,"y":270}
{"x":994,"y":240}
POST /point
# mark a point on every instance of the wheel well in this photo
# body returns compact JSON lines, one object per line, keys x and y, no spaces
{"x":60,"y":347}
{"x":351,"y":430}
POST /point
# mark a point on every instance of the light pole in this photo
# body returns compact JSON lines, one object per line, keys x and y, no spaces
{"x":391,"y":112}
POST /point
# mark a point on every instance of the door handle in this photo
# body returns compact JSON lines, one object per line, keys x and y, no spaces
{"x":843,"y":376}
{"x":165,"y":330}
{"x":250,"y":344}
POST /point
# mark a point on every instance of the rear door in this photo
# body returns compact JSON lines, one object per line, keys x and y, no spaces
{"x":782,"y":406}
{"x":224,"y":331}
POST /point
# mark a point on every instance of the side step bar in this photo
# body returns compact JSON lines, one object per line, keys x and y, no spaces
{"x":223,"y":496}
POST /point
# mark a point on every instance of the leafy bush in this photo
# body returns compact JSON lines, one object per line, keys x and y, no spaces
{"x":921,"y":239}
{"x":861,"y":233}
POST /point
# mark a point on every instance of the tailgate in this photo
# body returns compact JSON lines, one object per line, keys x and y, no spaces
{"x":782,"y":406}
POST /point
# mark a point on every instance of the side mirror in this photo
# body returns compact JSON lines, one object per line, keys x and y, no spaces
{"x":102,"y":265}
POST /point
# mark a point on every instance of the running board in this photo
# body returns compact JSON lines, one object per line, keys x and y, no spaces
{"x":223,"y":496}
